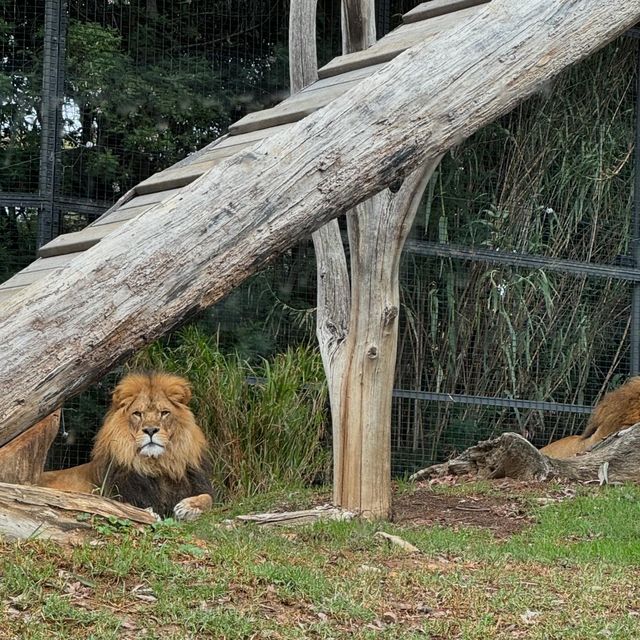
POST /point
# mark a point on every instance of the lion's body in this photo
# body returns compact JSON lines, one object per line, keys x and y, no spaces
{"x":149,"y":451}
{"x":565,"y":447}
{"x":618,"y":410}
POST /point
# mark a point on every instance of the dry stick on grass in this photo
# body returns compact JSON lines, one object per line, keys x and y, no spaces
{"x":397,"y":540}
{"x":305,"y":516}
{"x":511,"y":456}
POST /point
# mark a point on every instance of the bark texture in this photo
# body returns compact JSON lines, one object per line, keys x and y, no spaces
{"x":511,"y":456}
{"x":63,"y":332}
{"x":303,"y":57}
{"x":377,"y":232}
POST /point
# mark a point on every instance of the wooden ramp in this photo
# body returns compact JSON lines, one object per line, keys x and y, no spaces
{"x":335,"y":78}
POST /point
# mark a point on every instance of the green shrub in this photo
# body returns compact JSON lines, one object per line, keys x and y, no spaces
{"x":266,"y":423}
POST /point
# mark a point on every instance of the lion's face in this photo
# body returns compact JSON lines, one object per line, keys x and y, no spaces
{"x":150,"y":427}
{"x":152,"y":422}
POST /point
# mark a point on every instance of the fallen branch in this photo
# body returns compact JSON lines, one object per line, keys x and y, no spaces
{"x":325,"y":512}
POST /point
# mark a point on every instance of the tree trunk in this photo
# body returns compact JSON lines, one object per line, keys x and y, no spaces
{"x":28,"y":512}
{"x":22,"y":460}
{"x":65,"y":331}
{"x":377,"y":232}
{"x":616,"y":459}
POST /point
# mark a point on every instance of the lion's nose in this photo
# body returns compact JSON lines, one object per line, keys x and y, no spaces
{"x":150,"y":431}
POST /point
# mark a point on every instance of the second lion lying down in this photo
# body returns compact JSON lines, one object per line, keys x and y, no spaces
{"x":618,"y":410}
{"x":149,"y":451}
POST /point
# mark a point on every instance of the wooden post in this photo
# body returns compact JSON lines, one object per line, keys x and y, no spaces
{"x":65,"y":331}
{"x":357,"y":322}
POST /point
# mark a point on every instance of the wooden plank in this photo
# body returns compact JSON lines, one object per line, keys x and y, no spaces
{"x":251,"y":136}
{"x":435,"y":8}
{"x":177,"y":177}
{"x":180,"y":176}
{"x":46,"y":264}
{"x":149,"y":198}
{"x":395,"y":43}
{"x":25,"y":278}
{"x":122,"y":215}
{"x":292,"y":109}
{"x":346,"y":77}
{"x":77,"y":241}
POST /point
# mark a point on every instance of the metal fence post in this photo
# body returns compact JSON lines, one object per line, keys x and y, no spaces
{"x":634,"y":364}
{"x":55,"y":30}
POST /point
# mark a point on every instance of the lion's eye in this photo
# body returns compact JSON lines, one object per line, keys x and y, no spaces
{"x":137,"y":414}
{"x":164,"y":414}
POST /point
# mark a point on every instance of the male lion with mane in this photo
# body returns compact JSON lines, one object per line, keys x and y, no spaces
{"x":149,"y":451}
{"x":618,"y":410}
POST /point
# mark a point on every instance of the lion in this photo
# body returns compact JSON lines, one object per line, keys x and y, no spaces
{"x":618,"y":410}
{"x":149,"y":451}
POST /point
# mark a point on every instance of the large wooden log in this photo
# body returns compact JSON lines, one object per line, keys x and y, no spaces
{"x":27,"y":512}
{"x":65,"y":331}
{"x":616,"y":459}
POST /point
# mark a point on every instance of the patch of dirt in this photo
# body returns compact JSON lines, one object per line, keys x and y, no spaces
{"x":503,"y":515}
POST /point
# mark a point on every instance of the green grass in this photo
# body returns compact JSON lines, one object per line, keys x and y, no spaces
{"x":572,"y":574}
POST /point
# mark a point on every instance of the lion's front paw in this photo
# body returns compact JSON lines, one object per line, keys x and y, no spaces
{"x":191,"y":508}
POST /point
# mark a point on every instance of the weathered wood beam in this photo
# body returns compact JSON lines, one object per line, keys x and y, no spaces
{"x":62,"y":333}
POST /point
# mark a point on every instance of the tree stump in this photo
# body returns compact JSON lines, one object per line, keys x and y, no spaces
{"x":511,"y":456}
{"x":22,"y":460}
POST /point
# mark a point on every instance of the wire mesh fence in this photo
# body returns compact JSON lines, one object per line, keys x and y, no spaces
{"x":519,"y":278}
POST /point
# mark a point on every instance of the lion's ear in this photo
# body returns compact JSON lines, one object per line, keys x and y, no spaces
{"x":178,"y":391}
{"x":128,"y":388}
{"x":121,"y":397}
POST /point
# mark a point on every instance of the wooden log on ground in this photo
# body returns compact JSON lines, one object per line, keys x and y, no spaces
{"x":65,"y":331}
{"x":22,"y":460}
{"x":511,"y":456}
{"x":37,"y":512}
{"x":306,"y":516}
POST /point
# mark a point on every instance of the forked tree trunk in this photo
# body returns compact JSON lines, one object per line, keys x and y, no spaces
{"x":357,"y":323}
{"x":377,"y":232}
{"x":66,"y":330}
{"x":616,"y":459}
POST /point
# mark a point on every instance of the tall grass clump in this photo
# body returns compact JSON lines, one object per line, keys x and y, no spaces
{"x":266,"y":422}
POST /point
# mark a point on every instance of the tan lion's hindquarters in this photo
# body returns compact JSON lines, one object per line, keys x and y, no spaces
{"x":78,"y":479}
{"x":565,"y":448}
{"x":192,"y":507}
